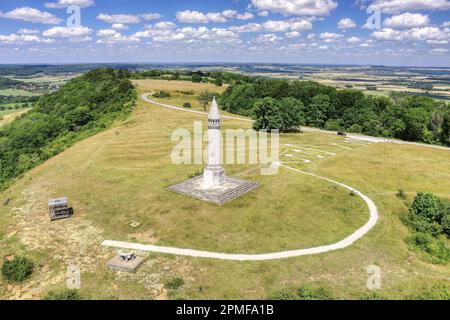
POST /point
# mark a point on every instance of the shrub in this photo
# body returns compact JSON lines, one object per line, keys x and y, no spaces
{"x":66,"y":294}
{"x":435,"y":248}
{"x":162,"y":94}
{"x":434,"y":292}
{"x":355,"y":128}
{"x":174,"y":284}
{"x":372,"y":296}
{"x":18,"y":269}
{"x":310,"y":293}
{"x":187,"y":92}
{"x":187,"y":105}
{"x":196,"y":174}
{"x":428,"y":206}
{"x":283,"y":294}
{"x":429,"y":214}
{"x":446,"y":224}
{"x":401,"y":194}
{"x":333,"y":125}
{"x":304,"y":292}
{"x":420,"y":224}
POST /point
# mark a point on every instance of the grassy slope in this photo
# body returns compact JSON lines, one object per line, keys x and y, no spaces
{"x":119,"y":176}
{"x":7,"y":116}
{"x":17,"y":92}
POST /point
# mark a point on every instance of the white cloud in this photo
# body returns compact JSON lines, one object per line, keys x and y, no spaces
{"x":127,"y":18}
{"x":387,"y":34}
{"x":283,"y":26}
{"x":165,"y":25}
{"x":28,"y":31}
{"x":437,"y":42}
{"x":249,"y":27}
{"x":414,"y":34}
{"x":323,"y":48}
{"x":119,"y":26}
{"x":439,"y":51}
{"x":446,"y":24}
{"x":397,"y":6}
{"x":189,"y":16}
{"x":110,"y":37}
{"x":407,"y":20}
{"x":65,"y":32}
{"x":292,"y":34}
{"x":267,"y":38}
{"x":330,"y":37}
{"x":427,"y":33}
{"x":60,"y":4}
{"x":15,"y":38}
{"x":31,"y":15}
{"x":119,"y":18}
{"x":353,"y":40}
{"x":106,"y":33}
{"x":297,"y":7}
{"x":216,"y":17}
{"x":229,"y":14}
{"x":263,"y":13}
{"x":151,"y":16}
{"x":245,"y":16}
{"x":346,"y":23}
{"x":188,"y":34}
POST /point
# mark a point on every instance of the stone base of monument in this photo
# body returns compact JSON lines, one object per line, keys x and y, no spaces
{"x":230,"y":189}
{"x":118,"y":263}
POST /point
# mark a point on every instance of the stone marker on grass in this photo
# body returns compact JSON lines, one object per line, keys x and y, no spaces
{"x":59,"y":209}
{"x":125,"y":261}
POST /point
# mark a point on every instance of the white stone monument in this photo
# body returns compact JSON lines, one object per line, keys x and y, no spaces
{"x":214,"y":186}
{"x":214,"y":174}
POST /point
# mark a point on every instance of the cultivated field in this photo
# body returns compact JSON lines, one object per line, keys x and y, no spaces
{"x":119,"y":176}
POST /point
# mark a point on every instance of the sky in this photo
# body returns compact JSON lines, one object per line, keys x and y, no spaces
{"x":363,"y":32}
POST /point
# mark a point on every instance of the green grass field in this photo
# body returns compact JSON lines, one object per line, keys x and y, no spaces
{"x":16,"y":93}
{"x":119,"y":176}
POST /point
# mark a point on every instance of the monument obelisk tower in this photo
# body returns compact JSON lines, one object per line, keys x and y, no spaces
{"x":214,"y":174}
{"x":214,"y":186}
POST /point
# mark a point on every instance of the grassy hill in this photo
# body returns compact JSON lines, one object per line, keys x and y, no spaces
{"x":119,"y":176}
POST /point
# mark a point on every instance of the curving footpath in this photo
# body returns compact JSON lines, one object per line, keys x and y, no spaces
{"x":358,"y":234}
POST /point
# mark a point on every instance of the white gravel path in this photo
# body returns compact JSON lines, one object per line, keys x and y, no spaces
{"x":266,"y":256}
{"x":358,"y":234}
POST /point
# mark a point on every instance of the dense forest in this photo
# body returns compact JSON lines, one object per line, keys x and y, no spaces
{"x":6,"y":83}
{"x":420,"y":119}
{"x":82,"y":107}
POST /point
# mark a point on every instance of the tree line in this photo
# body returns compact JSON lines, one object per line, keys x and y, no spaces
{"x":286,"y":105}
{"x":82,"y":107}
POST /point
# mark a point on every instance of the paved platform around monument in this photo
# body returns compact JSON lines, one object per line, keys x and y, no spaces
{"x":231,"y":189}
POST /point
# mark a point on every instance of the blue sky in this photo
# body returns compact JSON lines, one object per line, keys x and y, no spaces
{"x":411,"y":32}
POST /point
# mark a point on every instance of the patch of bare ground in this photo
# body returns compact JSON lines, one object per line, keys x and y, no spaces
{"x":62,"y":243}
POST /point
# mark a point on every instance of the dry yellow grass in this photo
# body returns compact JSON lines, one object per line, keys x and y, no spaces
{"x":10,"y":117}
{"x":155,"y":85}
{"x":119,"y":176}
